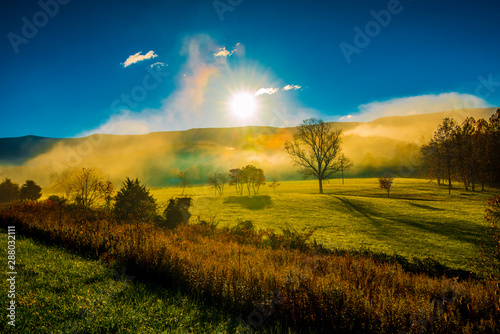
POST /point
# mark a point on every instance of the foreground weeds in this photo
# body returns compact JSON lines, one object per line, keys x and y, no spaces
{"x":265,"y":277}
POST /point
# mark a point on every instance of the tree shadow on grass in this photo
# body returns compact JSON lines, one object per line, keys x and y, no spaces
{"x":250,"y":202}
{"x":441,"y":228}
{"x":421,"y":206}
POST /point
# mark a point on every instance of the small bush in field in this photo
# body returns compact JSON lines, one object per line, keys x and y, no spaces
{"x":177,"y":211}
{"x":291,"y":239}
{"x":385,"y":182}
{"x":56,"y":199}
{"x":243,"y":227}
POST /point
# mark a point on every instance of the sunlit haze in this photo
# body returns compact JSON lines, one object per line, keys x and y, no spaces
{"x":243,"y":105}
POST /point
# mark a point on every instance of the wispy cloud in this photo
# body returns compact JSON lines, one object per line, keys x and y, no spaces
{"x":272,"y":90}
{"x":345,"y":117}
{"x":269,"y":91}
{"x":139,"y":57}
{"x":158,"y":63}
{"x":225,"y":53}
{"x":292,"y":87}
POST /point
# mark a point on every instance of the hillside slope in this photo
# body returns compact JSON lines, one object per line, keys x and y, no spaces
{"x":388,"y":141}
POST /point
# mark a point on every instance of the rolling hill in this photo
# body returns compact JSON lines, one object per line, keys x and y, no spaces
{"x":389,"y":142}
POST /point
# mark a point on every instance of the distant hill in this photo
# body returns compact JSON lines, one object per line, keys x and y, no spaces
{"x":389,"y":141}
{"x":16,"y":151}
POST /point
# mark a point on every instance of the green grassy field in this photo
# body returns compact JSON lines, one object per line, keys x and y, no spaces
{"x":420,"y":219}
{"x":60,"y":292}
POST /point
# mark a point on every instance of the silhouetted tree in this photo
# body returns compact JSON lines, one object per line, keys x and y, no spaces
{"x":217,"y":180}
{"x":494,"y":146}
{"x":482,"y":153}
{"x":133,"y":202}
{"x":30,"y":191}
{"x":469,"y":153}
{"x":385,"y":182}
{"x":253,"y":177}
{"x":432,"y":163}
{"x":236,"y":179}
{"x":445,"y":137}
{"x":316,"y":147}
{"x":466,"y":160}
{"x":9,"y":191}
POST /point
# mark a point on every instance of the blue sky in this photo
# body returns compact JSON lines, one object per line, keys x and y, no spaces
{"x":68,"y":77}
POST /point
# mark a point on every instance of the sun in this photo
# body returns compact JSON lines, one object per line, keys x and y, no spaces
{"x":243,"y":105}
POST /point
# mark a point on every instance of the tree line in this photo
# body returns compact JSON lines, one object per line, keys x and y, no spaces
{"x":11,"y":191}
{"x":468,"y":153}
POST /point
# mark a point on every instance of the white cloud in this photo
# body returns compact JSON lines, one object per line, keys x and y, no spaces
{"x":416,"y":105}
{"x":346,"y":117}
{"x":139,"y":57}
{"x":225,"y":53}
{"x":292,"y":87}
{"x":272,"y":90}
{"x":269,"y":91}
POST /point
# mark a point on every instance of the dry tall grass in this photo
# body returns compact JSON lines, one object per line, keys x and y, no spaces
{"x":265,"y":280}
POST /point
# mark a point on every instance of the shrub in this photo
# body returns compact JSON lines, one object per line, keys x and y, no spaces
{"x":177,"y":211}
{"x":291,"y":239}
{"x":56,"y":199}
{"x":134,"y":202}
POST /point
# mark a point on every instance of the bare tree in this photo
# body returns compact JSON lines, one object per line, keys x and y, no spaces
{"x":88,"y":186}
{"x":62,"y":181}
{"x":85,"y":186}
{"x":274,"y":185}
{"x":236,"y":178}
{"x":185,"y":177}
{"x":316,"y":147}
{"x":217,"y":180}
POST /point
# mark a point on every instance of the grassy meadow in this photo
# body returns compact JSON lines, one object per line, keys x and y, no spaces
{"x":419,"y":219}
{"x":62,"y":292}
{"x":228,"y":278}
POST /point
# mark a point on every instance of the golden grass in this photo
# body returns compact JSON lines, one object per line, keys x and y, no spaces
{"x":341,"y":293}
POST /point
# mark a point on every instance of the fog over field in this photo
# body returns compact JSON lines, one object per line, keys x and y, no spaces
{"x":389,"y":142}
